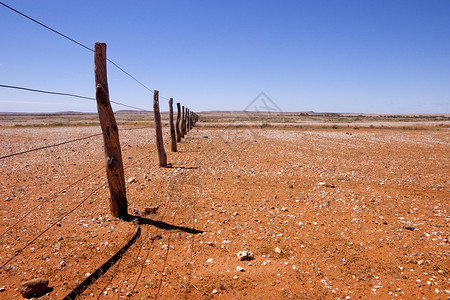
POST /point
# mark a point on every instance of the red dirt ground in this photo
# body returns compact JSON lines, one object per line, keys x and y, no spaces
{"x":324,"y":212}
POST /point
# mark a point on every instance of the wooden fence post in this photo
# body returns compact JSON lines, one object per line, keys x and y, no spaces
{"x":178,"y":122}
{"x":159,"y":137}
{"x":187,"y":119}
{"x":113,"y":154}
{"x":183,"y":127}
{"x":172,"y":127}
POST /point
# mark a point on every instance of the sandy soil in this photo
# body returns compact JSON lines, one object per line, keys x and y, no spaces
{"x":325,"y":213}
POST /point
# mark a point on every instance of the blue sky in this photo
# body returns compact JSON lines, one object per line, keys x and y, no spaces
{"x":324,"y":56}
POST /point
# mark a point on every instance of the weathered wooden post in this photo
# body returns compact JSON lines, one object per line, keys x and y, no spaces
{"x":183,"y":127}
{"x":187,"y":119}
{"x":113,"y":154}
{"x":178,"y":122}
{"x":172,"y":127}
{"x":159,"y":137}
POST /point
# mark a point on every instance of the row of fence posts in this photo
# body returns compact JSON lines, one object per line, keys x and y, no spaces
{"x":186,"y":119}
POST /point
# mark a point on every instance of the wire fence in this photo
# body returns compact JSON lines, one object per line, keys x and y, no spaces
{"x":69,"y":95}
{"x":49,"y":227}
{"x":77,"y":43}
{"x":102,"y":184}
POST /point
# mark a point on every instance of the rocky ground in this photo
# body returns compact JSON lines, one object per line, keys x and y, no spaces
{"x":342,"y":213}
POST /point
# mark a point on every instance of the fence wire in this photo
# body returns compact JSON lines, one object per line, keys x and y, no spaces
{"x":76,"y":42}
{"x":68,"y":95}
{"x":52,"y":225}
{"x":50,"y":146}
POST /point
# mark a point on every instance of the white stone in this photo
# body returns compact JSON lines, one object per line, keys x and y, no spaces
{"x":240,"y":269}
{"x":245,"y":255}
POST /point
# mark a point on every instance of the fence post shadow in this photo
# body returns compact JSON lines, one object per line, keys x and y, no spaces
{"x":160,"y":224}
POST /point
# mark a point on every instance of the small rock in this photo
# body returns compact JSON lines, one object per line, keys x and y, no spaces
{"x":2,"y":288}
{"x":34,"y":287}
{"x":409,"y":228}
{"x":245,"y":255}
{"x":214,"y":291}
{"x":240,"y":269}
{"x":291,"y":186}
{"x":277,"y":250}
{"x":326,"y":184}
{"x":209,"y":260}
{"x":8,"y":199}
{"x":132,"y":180}
{"x":155,"y":237}
{"x":62,"y":263}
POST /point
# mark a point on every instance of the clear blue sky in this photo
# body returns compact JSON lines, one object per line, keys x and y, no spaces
{"x":328,"y":56}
